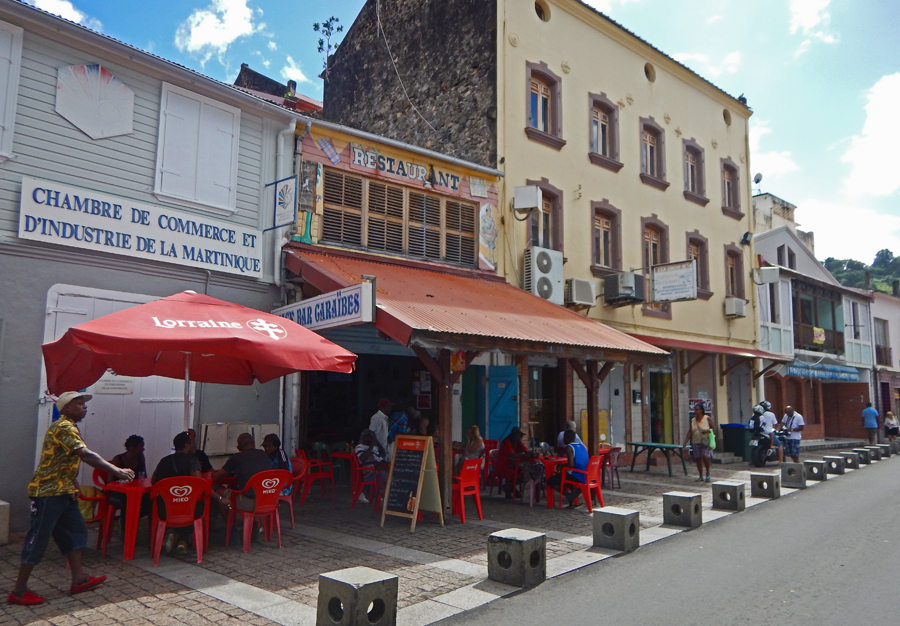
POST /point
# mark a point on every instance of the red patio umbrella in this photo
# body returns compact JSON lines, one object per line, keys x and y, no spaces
{"x":189,"y":336}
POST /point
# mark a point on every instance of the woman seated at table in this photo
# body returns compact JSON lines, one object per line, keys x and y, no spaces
{"x":578,"y":459}
{"x":181,"y":463}
{"x":474,"y":448}
{"x":277,"y":457}
{"x":133,"y":459}
{"x":510,"y":450}
{"x":369,"y":453}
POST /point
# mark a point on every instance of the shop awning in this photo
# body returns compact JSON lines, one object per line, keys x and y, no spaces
{"x":467,"y":310}
{"x":710,"y":349}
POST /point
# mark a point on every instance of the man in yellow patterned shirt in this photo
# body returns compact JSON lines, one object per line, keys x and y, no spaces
{"x":54,"y":495}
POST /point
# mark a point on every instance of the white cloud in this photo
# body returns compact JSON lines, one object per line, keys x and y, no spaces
{"x":873,"y":153}
{"x":65,"y":9}
{"x":713,"y":19}
{"x":273,"y":46}
{"x":770,"y":164}
{"x":606,"y":5}
{"x":810,"y":18}
{"x":292,"y":71}
{"x":707,"y":67}
{"x":858,"y":238}
{"x":211,"y":30}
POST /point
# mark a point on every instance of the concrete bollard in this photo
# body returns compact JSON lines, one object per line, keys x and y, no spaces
{"x":729,"y":496}
{"x":885,"y":450}
{"x":765,"y":486}
{"x":357,"y":596}
{"x":4,"y":523}
{"x":834,"y":464}
{"x":815,"y":470}
{"x":874,"y":453}
{"x":895,"y":447}
{"x":865,"y":456}
{"x":851,"y":459}
{"x":793,"y":475}
{"x":682,"y":509}
{"x":617,"y":529}
{"x":517,"y":557}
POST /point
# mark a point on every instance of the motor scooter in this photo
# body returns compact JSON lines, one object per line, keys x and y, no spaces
{"x":761,"y":449}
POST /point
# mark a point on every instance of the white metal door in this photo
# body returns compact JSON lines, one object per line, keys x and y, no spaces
{"x":154,"y":409}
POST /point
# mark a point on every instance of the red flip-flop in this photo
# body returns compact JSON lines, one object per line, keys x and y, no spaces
{"x":90,"y":583}
{"x":28,"y":598}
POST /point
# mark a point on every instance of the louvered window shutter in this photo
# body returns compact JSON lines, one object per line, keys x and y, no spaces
{"x":385,"y":218}
{"x":460,"y":228}
{"x":342,"y":214}
{"x":424,"y":226}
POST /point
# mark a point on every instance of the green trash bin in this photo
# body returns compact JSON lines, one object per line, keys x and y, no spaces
{"x":736,"y":440}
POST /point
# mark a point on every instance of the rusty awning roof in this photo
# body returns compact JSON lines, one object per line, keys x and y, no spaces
{"x":712,"y":348}
{"x":462,"y":309}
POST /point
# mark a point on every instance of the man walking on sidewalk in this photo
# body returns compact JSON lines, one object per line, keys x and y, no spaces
{"x":870,"y":423}
{"x":54,"y":496}
{"x":793,"y":423}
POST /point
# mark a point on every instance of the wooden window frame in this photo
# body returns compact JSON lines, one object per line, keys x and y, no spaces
{"x":557,"y":216}
{"x":552,"y":137}
{"x":656,"y":179}
{"x":603,"y":209}
{"x":702,"y":243}
{"x":599,"y":104}
{"x":731,"y":199}
{"x":738,"y":289}
{"x":694,"y":155}
{"x":660,"y":310}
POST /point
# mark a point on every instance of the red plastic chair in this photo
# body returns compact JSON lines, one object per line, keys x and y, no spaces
{"x":611,"y":466}
{"x":298,"y":469}
{"x":468,"y":483}
{"x":591,"y":484}
{"x":316,"y":470}
{"x":99,"y":514}
{"x":492,"y":479}
{"x":180,"y":495}
{"x":360,"y":479}
{"x":266,"y":487}
{"x":109,"y":511}
{"x":489,"y":444}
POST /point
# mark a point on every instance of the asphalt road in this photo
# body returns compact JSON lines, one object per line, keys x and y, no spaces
{"x":826,"y":555}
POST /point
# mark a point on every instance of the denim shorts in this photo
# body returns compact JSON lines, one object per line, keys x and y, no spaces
{"x":57,"y":517}
{"x":792,"y":447}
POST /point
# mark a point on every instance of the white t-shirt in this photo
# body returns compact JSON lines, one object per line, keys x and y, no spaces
{"x":891,"y":422}
{"x":379,"y":425}
{"x":792,"y":421}
{"x":769,"y":422}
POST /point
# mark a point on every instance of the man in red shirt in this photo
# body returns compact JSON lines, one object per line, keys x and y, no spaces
{"x":510,"y":449}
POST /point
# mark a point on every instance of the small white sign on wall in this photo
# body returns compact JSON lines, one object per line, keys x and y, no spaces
{"x":111,"y":384}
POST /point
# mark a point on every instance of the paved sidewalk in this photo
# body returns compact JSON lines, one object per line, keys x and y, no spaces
{"x":441,"y":571}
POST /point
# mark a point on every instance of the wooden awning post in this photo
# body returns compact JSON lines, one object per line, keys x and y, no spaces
{"x":443,"y":380}
{"x":592,"y":379}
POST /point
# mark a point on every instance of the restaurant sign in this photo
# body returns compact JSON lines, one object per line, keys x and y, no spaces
{"x":89,"y":220}
{"x":823,"y":371}
{"x":344,"y":307}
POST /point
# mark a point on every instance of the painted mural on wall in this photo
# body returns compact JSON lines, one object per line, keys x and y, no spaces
{"x":487,"y":238}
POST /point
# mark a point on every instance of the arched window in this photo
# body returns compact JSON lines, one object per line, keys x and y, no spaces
{"x":698,"y":250}
{"x":603,"y":132}
{"x":734,"y":271}
{"x":694,"y":173}
{"x":653,"y":154}
{"x":731,"y":189}
{"x":606,"y":242}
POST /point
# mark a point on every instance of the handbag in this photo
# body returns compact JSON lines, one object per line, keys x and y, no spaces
{"x":712,"y":439}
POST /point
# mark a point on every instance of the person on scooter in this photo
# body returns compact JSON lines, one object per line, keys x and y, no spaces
{"x":770,"y":424}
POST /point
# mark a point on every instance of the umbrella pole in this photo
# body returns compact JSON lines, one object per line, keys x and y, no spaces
{"x":187,"y":390}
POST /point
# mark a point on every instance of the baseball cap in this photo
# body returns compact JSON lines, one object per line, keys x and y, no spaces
{"x":68,"y":396}
{"x":385,"y":402}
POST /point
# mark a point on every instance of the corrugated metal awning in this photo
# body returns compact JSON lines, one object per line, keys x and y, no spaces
{"x":696,"y":346}
{"x":456,"y":308}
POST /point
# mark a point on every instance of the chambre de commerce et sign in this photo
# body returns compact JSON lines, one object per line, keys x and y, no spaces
{"x":88,"y":220}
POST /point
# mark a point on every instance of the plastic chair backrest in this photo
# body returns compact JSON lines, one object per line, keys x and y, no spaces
{"x":298,"y":466}
{"x":492,"y":455}
{"x":614,"y":457}
{"x":180,"y":495}
{"x":593,"y":468}
{"x":100,"y":478}
{"x":267,"y":486}
{"x":490,"y":444}
{"x":470,"y":471}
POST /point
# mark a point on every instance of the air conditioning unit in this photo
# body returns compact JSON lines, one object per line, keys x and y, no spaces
{"x":766,"y":275}
{"x":735,"y":307}
{"x":580,"y":291}
{"x":544,"y":274}
{"x":623,"y":289}
{"x":527,"y":199}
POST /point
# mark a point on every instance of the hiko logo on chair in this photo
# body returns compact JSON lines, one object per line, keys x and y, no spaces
{"x":180,"y":494}
{"x":269,"y":485}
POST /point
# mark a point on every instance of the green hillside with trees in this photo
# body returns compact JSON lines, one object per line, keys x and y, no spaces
{"x":885,"y":269}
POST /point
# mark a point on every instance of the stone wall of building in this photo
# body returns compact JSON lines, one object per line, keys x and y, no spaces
{"x":445,"y":53}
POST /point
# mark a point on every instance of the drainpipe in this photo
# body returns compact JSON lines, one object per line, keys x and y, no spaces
{"x":279,"y":232}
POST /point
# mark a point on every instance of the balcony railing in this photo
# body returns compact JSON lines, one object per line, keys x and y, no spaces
{"x":803,"y":340}
{"x":883,"y":355}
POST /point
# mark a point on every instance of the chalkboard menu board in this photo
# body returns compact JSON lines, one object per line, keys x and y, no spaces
{"x":412,"y":482}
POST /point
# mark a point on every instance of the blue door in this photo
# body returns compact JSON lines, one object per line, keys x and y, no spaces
{"x":502,"y":400}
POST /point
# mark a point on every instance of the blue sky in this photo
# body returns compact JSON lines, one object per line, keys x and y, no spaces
{"x":822,"y":76}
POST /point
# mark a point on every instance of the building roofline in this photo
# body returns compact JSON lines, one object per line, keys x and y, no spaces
{"x":82,"y":37}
